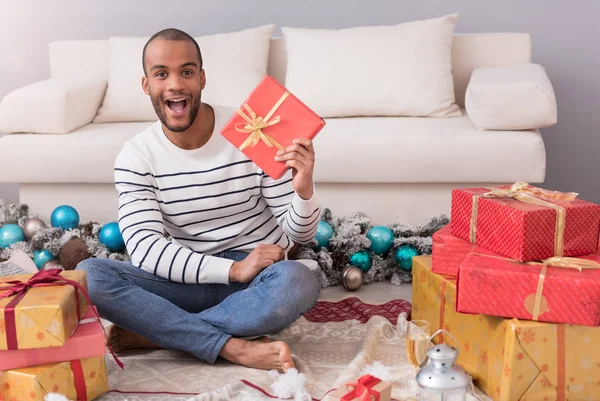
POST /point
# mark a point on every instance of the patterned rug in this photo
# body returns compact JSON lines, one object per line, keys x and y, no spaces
{"x":331,"y":344}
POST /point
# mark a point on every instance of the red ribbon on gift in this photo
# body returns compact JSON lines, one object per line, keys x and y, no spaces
{"x":18,"y":289}
{"x":79,"y":379}
{"x":363,"y":389}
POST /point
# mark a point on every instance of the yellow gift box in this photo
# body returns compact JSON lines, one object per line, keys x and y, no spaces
{"x":511,"y":360}
{"x":80,"y":380}
{"x":47,"y":314}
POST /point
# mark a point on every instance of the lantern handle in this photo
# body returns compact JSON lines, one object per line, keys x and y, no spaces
{"x":440,"y":331}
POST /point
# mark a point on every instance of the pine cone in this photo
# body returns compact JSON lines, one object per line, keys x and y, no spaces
{"x":73,"y":252}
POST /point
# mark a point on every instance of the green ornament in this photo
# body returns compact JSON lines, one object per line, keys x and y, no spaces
{"x":40,"y":257}
{"x":362,"y":260}
{"x":382,"y":239}
{"x":404,"y":256}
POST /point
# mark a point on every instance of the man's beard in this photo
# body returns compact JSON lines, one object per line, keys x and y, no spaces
{"x":159,"y":105}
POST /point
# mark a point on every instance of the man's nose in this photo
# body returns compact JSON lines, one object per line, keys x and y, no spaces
{"x":175,"y":82}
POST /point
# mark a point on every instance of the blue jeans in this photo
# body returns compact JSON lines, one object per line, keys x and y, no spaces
{"x":200,"y":319}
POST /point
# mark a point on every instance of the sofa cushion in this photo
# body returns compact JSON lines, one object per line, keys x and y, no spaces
{"x":399,"y":70}
{"x":234,"y":63}
{"x":511,"y":98}
{"x":368,"y":149}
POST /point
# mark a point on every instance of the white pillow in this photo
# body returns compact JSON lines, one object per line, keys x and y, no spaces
{"x":234,"y":63}
{"x":399,"y":70}
{"x":515,"y":97}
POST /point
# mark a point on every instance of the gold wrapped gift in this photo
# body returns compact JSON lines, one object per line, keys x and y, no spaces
{"x":83,"y":379}
{"x":46,"y":315}
{"x":511,"y":360}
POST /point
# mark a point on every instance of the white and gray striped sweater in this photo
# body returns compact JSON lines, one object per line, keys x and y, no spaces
{"x":209,"y":200}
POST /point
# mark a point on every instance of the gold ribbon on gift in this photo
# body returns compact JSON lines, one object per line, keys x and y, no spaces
{"x":525,"y":193}
{"x":555,"y":261}
{"x":256,"y":124}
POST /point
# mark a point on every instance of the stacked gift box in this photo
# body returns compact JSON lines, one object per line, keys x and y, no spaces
{"x":51,"y":340}
{"x":515,"y":278}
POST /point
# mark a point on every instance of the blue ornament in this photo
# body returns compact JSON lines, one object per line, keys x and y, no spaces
{"x":10,"y":234}
{"x":382,"y":239}
{"x":65,"y":217}
{"x":42,"y":256}
{"x":110,"y":235}
{"x":362,"y":260}
{"x":324,"y":234}
{"x":404,"y":256}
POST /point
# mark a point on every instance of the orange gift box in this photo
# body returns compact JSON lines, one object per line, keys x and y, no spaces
{"x":269,"y":120}
{"x":41,"y":310}
{"x":448,"y":251}
{"x":525,"y":223}
{"x":556,"y":292}
{"x":82,"y":380}
{"x":510,"y":359}
{"x":87,"y":341}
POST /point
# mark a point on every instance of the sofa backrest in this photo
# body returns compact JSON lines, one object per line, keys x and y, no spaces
{"x":89,"y":59}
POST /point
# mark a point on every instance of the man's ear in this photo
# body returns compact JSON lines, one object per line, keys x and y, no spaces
{"x":202,"y":79}
{"x":145,"y":85}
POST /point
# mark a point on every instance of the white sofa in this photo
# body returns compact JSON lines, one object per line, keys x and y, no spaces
{"x":402,"y":170}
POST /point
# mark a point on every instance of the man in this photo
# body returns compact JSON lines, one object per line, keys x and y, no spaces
{"x":221,"y":272}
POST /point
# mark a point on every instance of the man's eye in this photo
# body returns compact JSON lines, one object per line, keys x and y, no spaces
{"x":188,"y":72}
{"x":161,"y":74}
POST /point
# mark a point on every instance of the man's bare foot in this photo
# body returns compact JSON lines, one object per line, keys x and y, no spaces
{"x":120,"y":339}
{"x":258,"y":354}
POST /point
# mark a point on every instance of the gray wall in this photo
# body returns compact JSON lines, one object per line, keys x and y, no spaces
{"x":565,"y":40}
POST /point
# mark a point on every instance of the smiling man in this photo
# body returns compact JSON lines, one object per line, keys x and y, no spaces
{"x":207,"y":231}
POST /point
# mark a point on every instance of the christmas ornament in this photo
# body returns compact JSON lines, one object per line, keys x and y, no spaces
{"x":42,"y":256}
{"x":11,"y":234}
{"x":362,"y":260}
{"x":324,"y":234}
{"x":404,"y":255}
{"x":51,"y":264}
{"x":352,"y":278}
{"x":65,"y":217}
{"x":72,"y":253}
{"x":111,"y":237}
{"x":382,"y":239}
{"x":32,"y":226}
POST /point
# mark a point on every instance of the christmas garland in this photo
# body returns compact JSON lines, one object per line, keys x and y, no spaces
{"x":380,"y":252}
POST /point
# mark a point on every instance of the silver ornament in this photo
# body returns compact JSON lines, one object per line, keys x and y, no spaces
{"x":32,"y":226}
{"x":352,"y":278}
{"x":52,"y":264}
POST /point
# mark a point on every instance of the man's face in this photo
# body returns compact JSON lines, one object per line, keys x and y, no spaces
{"x":174,"y":82}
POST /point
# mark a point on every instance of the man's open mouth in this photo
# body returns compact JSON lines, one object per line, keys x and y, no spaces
{"x":177,"y":105}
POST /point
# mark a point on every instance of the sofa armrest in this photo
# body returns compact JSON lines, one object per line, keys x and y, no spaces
{"x":53,"y":106}
{"x":517,"y":97}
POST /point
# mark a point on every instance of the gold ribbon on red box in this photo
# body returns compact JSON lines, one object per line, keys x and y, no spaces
{"x":523,"y":192}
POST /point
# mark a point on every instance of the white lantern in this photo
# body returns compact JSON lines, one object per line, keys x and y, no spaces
{"x":440,"y":379}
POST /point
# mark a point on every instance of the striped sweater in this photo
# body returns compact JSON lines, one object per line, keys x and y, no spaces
{"x":207,"y":200}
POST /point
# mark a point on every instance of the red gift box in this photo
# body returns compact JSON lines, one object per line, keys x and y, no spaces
{"x":499,"y":286}
{"x":87,"y":341}
{"x":526,"y":223}
{"x":448,"y":252}
{"x":269,"y":120}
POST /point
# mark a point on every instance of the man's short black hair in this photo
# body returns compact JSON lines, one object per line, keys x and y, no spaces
{"x":171,"y":34}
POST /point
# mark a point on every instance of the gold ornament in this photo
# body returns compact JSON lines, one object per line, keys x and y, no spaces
{"x":52,"y":264}
{"x":32,"y":226}
{"x":352,"y":278}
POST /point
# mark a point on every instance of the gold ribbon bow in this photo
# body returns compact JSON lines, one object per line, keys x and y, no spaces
{"x":525,"y":193}
{"x":256,"y":124}
{"x":555,"y":261}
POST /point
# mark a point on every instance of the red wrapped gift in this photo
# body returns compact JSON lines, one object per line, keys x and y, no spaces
{"x":87,"y":341}
{"x":559,"y":290}
{"x":526,"y":223}
{"x":448,"y":252}
{"x":269,"y":120}
{"x":366,"y":387}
